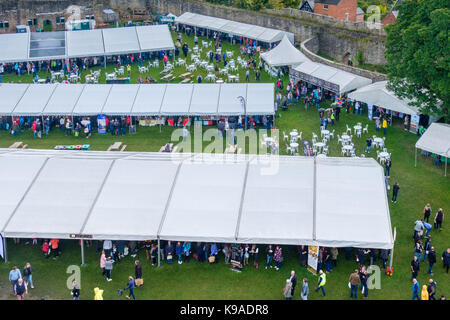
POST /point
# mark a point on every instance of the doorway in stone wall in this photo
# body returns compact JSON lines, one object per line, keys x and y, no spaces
{"x":47,"y":25}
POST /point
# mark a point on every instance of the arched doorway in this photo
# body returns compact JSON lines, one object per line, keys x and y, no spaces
{"x":47,"y":25}
{"x":346,"y":58}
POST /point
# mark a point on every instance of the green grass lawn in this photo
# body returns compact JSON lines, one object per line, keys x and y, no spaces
{"x":420,"y":185}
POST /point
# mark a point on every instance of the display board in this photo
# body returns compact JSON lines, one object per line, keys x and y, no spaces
{"x":313,"y":258}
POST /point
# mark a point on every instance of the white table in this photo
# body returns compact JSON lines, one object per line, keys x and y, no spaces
{"x":319,"y":145}
{"x":345,"y":138}
{"x":231,"y":78}
{"x":210,"y":77}
{"x":294,"y":146}
{"x":294,"y":134}
{"x":384,"y":155}
{"x":191,"y":68}
{"x":40,"y":81}
{"x":348,"y":148}
{"x":219,"y":81}
{"x":325,"y":133}
{"x":379,"y":142}
{"x":357,"y":128}
{"x":210,"y":68}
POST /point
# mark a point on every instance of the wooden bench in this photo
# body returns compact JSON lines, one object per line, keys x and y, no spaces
{"x":123,"y":148}
{"x":115,"y":147}
{"x":16,"y":145}
{"x":187,"y":80}
{"x":186,"y":75}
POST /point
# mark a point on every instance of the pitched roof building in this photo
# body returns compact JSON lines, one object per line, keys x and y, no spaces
{"x":345,"y":10}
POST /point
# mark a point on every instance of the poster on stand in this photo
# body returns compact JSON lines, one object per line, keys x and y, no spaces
{"x":313,"y":258}
{"x":101,"y":122}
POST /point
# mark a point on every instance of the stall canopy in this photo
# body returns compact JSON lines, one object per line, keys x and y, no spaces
{"x":436,"y":139}
{"x":245,"y":30}
{"x":377,"y":94}
{"x":284,"y":54}
{"x":18,"y":47}
{"x":194,"y":197}
{"x":329,"y":78}
{"x":136,"y":99}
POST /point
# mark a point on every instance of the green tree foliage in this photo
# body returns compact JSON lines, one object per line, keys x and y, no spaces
{"x":418,"y":55}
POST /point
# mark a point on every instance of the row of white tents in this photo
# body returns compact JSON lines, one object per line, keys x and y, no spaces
{"x":233,"y":28}
{"x":194,"y":197}
{"x":137,"y":99}
{"x":15,"y":47}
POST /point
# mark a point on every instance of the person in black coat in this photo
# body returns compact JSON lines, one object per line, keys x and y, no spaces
{"x":137,"y":270}
{"x":199,"y":252}
{"x":431,"y":260}
{"x":75,"y":291}
{"x":303,"y":255}
{"x":293,"y":279}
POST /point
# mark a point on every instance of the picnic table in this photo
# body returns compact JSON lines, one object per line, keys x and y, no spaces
{"x":186,"y":80}
{"x":185,"y":75}
{"x":167,"y":77}
{"x":115,"y":147}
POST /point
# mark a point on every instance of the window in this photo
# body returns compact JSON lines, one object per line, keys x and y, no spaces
{"x":62,"y":20}
{"x":90,"y":17}
{"x":35,"y":22}
{"x":6,"y":23}
{"x":325,"y":7}
{"x":30,"y":22}
{"x":57,"y":20}
{"x":1,"y":24}
{"x":346,"y":16}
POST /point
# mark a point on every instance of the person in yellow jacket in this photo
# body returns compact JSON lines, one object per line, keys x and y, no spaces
{"x":384,"y":125}
{"x":129,"y":70}
{"x":322,"y":282}
{"x":98,"y":294}
{"x":424,"y":295}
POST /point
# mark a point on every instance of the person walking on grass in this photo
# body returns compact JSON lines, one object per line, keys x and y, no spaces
{"x":293,"y":280}
{"x":354,"y":281}
{"x":287,"y":291}
{"x":395,"y":189}
{"x":305,"y":289}
{"x":438,"y":219}
{"x":103,"y":263}
{"x":321,"y":283}
{"x":414,"y":268}
{"x":27,"y":275}
{"x":427,"y":212}
{"x":368,"y":144}
{"x":446,"y":258}
{"x":20,"y":289}
{"x":363,"y":275}
{"x":14,"y":276}
{"x":108,"y":268}
{"x":431,"y":260}
{"x":431,"y":288}
{"x":415,"y":289}
{"x":137,"y":270}
{"x":269,"y":253}
{"x":130,"y":286}
{"x":75,"y":291}
{"x":278,"y":257}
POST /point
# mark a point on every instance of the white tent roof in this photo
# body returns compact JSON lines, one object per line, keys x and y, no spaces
{"x":34,"y":100}
{"x":284,"y":54}
{"x":436,"y":139}
{"x":120,"y":99}
{"x":204,"y":99}
{"x":148,"y":100}
{"x":136,"y":99}
{"x":84,"y":43}
{"x":328,"y":77}
{"x":92,"y":99}
{"x":15,"y":47}
{"x":258,"y":33}
{"x":152,"y":38}
{"x":10,"y":94}
{"x":194,"y":197}
{"x":378,"y":95}
{"x":63,"y":99}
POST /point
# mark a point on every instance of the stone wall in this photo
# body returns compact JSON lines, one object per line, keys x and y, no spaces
{"x":310,"y":49}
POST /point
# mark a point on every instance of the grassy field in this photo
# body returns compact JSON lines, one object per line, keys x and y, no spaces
{"x":420,"y":185}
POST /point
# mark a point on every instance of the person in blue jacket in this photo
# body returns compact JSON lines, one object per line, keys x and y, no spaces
{"x":415,"y":289}
{"x":131,"y":285}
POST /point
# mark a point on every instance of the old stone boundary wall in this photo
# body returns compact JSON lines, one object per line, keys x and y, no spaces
{"x":337,"y":39}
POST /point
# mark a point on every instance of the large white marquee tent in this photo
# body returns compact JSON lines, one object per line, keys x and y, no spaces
{"x":136,"y":99}
{"x":15,"y":47}
{"x":194,"y":197}
{"x":435,"y":139}
{"x":329,"y":78}
{"x":234,"y":28}
{"x":284,"y":54}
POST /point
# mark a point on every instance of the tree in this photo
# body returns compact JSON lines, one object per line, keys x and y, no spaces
{"x":418,"y":55}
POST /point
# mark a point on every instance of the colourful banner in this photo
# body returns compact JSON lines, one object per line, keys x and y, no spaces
{"x":313,"y":258}
{"x":101,"y":122}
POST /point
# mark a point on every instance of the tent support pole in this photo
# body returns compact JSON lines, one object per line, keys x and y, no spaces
{"x":392,"y":251}
{"x":159,"y":254}
{"x":5,"y":251}
{"x":415,"y":157}
{"x":82,"y":252}
{"x":104,"y":60}
{"x":445,"y":171}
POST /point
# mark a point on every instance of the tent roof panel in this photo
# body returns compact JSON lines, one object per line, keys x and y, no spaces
{"x":260,"y":98}
{"x":204,"y":99}
{"x":120,"y":40}
{"x":341,"y":185}
{"x":10,"y":94}
{"x":284,"y":54}
{"x":152,"y":38}
{"x":92,"y":99}
{"x":148,"y":99}
{"x":34,"y":100}
{"x":229,"y":103}
{"x":199,"y":195}
{"x":63,"y":99}
{"x":139,"y":187}
{"x":278,"y":193}
{"x":436,"y":139}
{"x":14,"y":47}
{"x":177,"y":99}
{"x":120,"y":99}
{"x":60,"y":199}
{"x":84,"y":43}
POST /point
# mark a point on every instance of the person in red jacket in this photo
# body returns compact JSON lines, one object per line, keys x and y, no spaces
{"x":45,"y":249}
